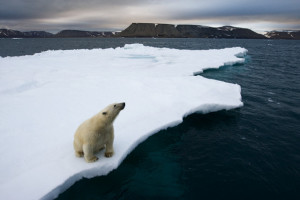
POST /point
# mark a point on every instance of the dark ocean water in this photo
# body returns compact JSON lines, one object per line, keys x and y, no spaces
{"x":247,"y":153}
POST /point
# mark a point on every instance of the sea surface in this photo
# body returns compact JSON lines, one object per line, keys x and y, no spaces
{"x":248,"y":153}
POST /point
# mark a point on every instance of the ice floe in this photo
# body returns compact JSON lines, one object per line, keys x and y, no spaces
{"x":44,"y":97}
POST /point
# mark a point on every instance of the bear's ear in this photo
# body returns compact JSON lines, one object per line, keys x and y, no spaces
{"x":104,"y":113}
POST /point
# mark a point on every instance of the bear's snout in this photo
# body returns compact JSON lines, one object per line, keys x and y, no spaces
{"x":122,"y":105}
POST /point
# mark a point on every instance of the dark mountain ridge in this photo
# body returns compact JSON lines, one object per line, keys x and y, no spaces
{"x":289,"y":35}
{"x":159,"y":31}
{"x":187,"y":31}
{"x":7,"y":33}
{"x":78,"y":33}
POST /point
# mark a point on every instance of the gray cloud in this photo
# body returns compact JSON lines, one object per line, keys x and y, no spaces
{"x":117,"y":14}
{"x":30,"y":9}
{"x":233,"y":8}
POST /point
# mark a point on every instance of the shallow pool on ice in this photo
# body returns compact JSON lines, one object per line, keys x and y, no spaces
{"x":44,"y":97}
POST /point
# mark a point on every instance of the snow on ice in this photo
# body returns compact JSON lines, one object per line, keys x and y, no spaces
{"x":44,"y":98}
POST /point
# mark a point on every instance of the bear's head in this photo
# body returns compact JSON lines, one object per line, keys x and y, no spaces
{"x":112,"y":111}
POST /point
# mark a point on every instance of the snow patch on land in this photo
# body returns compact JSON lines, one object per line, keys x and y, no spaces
{"x":44,"y":98}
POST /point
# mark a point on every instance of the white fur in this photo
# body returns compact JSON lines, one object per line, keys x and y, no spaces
{"x":97,"y":133}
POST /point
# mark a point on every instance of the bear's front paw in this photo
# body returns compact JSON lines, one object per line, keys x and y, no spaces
{"x":109,"y":154}
{"x":93,"y":159}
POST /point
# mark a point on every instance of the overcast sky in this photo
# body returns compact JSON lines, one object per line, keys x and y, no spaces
{"x":56,"y":15}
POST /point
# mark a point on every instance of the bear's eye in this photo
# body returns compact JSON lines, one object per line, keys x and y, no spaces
{"x":115,"y":105}
{"x":104,"y":113}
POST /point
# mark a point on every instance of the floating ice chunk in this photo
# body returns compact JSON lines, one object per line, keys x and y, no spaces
{"x":44,"y":97}
{"x":270,"y":100}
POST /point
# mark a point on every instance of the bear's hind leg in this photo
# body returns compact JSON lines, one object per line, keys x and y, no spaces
{"x":88,"y":153}
{"x":79,"y":153}
{"x":78,"y":148}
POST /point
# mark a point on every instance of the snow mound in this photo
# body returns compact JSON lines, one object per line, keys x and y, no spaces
{"x":45,"y":97}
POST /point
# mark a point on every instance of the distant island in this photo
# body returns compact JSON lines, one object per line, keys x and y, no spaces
{"x":159,"y":31}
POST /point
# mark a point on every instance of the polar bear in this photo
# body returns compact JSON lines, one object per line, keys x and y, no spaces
{"x":97,"y":133}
